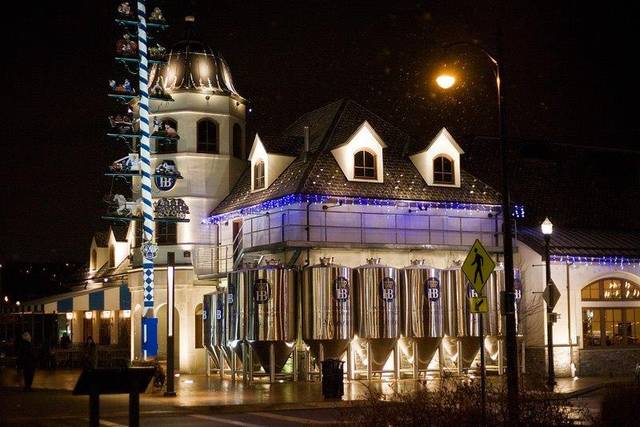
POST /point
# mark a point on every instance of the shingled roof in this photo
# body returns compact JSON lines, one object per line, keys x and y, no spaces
{"x":101,"y":238}
{"x":320,"y":173}
{"x":584,"y":242}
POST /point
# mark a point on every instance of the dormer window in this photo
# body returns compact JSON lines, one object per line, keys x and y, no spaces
{"x":364,"y":165}
{"x":443,"y":172}
{"x":439,"y":162}
{"x":258,"y":175}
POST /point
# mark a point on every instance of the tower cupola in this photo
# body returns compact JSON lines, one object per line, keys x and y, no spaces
{"x":193,"y":66}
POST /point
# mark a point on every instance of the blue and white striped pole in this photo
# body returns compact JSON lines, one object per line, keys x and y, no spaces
{"x":147,"y":203}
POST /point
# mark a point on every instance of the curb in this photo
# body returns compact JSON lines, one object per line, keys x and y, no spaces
{"x":268,"y":407}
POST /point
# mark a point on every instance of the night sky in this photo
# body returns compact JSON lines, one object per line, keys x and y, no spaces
{"x":570,"y":77}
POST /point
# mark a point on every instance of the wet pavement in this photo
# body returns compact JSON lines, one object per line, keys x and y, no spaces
{"x":203,"y":400}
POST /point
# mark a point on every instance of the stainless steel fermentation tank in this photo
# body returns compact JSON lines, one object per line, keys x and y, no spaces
{"x":271,"y":315}
{"x":214,"y":324}
{"x":461,"y":328}
{"x":421,"y":314}
{"x":377,"y":304}
{"x":327,"y":309}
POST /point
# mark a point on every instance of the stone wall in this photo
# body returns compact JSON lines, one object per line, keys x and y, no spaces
{"x":608,"y":362}
{"x":536,"y":361}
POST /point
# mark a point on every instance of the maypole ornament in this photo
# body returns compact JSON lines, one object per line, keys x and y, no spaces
{"x":149,"y":250}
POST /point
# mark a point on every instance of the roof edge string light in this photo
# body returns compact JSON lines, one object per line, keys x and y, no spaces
{"x":604,"y":261}
{"x":293,"y":199}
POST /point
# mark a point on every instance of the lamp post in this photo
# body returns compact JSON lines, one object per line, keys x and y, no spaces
{"x":171,"y":293}
{"x":446,"y":81}
{"x":547,"y":229}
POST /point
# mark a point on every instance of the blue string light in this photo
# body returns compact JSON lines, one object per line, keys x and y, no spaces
{"x":292,"y":199}
{"x":604,"y":261}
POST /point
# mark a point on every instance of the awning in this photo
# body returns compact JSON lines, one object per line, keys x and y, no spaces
{"x":100,"y":298}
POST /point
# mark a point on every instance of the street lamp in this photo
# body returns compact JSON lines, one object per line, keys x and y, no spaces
{"x":547,"y":230}
{"x":509,"y":294}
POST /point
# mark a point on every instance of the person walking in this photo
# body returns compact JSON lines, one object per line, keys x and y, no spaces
{"x":90,"y":360}
{"x":26,"y":360}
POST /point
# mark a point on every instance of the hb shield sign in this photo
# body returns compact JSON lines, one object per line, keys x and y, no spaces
{"x":261,"y":291}
{"x":432,"y":288}
{"x":341,"y":289}
{"x":388,"y":289}
{"x":166,"y":175}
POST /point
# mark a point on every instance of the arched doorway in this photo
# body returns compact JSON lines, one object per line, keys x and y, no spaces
{"x":162,"y":335}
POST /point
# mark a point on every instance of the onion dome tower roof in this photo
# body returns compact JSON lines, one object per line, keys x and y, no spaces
{"x":192,"y":66}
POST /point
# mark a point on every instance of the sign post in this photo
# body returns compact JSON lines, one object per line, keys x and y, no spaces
{"x":477,"y":267}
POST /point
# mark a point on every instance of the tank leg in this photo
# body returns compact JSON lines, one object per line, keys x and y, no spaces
{"x":349,"y":362}
{"x":416,"y":358}
{"x":295,"y":364}
{"x":369,"y":361}
{"x":272,"y":363}
{"x":441,"y":357}
{"x":249,"y":368}
{"x":396,"y":362}
{"x":500,"y":355}
{"x":320,"y":360}
{"x":460,"y":358}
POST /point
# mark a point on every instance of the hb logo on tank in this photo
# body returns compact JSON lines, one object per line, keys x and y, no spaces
{"x":341,"y":289}
{"x":388,"y":289}
{"x":261,"y":291}
{"x":432,"y":288}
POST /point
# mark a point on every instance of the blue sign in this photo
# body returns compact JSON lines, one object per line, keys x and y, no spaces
{"x":166,"y":175}
{"x":150,"y":336}
{"x":432,"y":288}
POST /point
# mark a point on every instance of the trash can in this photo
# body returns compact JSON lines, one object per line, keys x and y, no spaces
{"x":332,"y":378}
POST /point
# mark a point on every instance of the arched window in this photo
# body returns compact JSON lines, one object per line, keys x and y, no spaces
{"x":94,"y":259}
{"x":237,"y":141}
{"x":611,"y":325}
{"x":258,"y":175}
{"x":207,"y":137}
{"x":443,"y":170}
{"x":364,"y":165}
{"x":168,"y":128}
{"x":112,"y":256}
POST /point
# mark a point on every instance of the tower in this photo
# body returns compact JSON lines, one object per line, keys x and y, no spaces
{"x":197,"y":143}
{"x":208,"y":115}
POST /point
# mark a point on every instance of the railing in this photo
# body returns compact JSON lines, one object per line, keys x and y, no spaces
{"x":298,"y":227}
{"x":370,"y":228}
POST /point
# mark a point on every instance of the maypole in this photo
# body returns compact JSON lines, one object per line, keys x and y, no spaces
{"x":149,"y":327}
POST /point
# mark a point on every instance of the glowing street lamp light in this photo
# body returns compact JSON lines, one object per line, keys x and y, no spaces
{"x":547,"y":227}
{"x":445,"y":81}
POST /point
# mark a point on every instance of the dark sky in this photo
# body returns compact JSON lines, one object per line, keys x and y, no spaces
{"x":570,"y":77}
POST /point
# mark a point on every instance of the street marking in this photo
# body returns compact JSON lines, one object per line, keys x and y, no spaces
{"x":225,"y":421}
{"x":111,"y":424}
{"x":290,"y":418}
{"x":108,"y":423}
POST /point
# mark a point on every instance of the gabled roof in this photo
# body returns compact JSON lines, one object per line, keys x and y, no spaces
{"x":319,"y":173}
{"x":447,"y":135}
{"x":101,"y":238}
{"x":120,"y":232}
{"x":282,"y":144}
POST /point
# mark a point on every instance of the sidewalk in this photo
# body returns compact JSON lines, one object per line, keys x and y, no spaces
{"x":216,"y":395}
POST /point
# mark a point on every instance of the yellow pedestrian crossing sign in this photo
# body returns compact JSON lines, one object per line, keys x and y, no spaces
{"x":479,"y":304}
{"x":478,"y":266}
